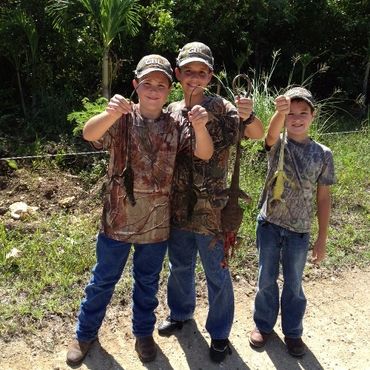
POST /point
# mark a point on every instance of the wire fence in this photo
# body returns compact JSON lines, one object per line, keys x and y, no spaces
{"x":97,"y":152}
{"x":42,"y":156}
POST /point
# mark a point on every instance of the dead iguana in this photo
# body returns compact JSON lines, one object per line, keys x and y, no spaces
{"x":279,"y":177}
{"x":232,"y":213}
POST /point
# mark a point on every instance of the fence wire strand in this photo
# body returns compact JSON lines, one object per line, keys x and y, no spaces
{"x":41,"y":156}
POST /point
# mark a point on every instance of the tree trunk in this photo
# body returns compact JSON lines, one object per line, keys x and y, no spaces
{"x":21,"y":93}
{"x":105,"y":74}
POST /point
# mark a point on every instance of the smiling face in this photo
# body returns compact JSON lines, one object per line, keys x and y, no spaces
{"x":299,"y":120}
{"x":153,"y":90}
{"x":191,"y":76}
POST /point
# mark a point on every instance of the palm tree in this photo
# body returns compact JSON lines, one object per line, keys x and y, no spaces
{"x":111,"y":17}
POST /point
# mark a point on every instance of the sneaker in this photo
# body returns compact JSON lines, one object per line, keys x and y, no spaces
{"x":219,"y":349}
{"x":295,"y":346}
{"x":77,"y":351}
{"x":257,"y":338}
{"x":169,"y":326}
{"x":146,"y":348}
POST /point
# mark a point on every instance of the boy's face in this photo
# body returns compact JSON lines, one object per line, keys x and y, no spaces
{"x":193,"y":75}
{"x":153,"y":90}
{"x":299,"y":120}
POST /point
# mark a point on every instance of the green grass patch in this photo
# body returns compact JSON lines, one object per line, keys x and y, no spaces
{"x":41,"y":271}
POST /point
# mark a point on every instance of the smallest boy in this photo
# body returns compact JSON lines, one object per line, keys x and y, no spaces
{"x":283,"y":227}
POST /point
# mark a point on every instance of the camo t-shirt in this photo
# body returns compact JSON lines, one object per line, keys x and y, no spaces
{"x":207,"y":194}
{"x":306,"y":165}
{"x":154,"y":145}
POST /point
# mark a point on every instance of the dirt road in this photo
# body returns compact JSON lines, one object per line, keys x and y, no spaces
{"x":336,"y":332}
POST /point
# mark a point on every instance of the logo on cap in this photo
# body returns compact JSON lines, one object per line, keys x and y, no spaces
{"x":151,"y":63}
{"x":195,"y":52}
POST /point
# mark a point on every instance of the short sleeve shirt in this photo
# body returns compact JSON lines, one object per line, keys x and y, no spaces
{"x":206,"y":179}
{"x":153,"y":148}
{"x":306,"y":166}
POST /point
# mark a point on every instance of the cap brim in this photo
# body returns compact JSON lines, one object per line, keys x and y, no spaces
{"x":195,"y":59}
{"x":307,"y":100}
{"x":150,"y":70}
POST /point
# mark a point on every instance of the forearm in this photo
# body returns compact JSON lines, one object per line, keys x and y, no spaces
{"x":98,"y":125}
{"x":323,"y":216}
{"x":255,"y":129}
{"x":275,"y":127}
{"x":203,"y":144}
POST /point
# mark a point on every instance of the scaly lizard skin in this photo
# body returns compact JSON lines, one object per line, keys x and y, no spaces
{"x":280,"y":177}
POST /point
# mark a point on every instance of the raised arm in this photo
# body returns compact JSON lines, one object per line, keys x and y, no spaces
{"x":254,"y":130}
{"x":282,"y":106}
{"x":198,"y":117}
{"x":97,"y":126}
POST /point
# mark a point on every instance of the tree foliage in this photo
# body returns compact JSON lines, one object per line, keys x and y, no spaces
{"x":53,"y":53}
{"x":110,"y":18}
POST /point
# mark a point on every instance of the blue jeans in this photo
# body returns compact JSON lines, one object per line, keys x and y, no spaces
{"x":277,"y":244}
{"x":182,"y":251}
{"x":111,"y":256}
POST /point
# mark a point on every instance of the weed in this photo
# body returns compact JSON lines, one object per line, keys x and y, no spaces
{"x":90,"y":109}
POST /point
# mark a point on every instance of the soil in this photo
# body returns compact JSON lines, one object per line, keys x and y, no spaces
{"x":336,"y":323}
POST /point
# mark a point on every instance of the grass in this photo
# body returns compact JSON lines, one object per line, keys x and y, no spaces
{"x":46,"y":275}
{"x":349,"y":230}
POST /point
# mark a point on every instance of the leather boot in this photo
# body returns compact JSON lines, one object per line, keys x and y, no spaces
{"x":146,"y":348}
{"x":77,"y":351}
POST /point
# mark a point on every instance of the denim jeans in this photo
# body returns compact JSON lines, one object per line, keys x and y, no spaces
{"x":182,"y":251}
{"x":276,"y":244}
{"x":111,"y":256}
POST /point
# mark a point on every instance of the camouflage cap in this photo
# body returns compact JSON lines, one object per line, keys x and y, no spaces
{"x":151,"y":63}
{"x":301,"y":93}
{"x":195,"y":52}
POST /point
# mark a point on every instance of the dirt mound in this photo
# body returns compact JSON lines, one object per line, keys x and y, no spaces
{"x":50,"y":191}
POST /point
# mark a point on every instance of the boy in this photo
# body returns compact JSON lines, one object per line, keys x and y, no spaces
{"x":283,"y":226}
{"x":143,"y":142}
{"x":194,"y":227}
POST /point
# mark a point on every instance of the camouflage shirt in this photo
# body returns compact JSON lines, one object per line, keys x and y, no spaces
{"x":209,"y":177}
{"x":154,"y":145}
{"x":306,"y":165}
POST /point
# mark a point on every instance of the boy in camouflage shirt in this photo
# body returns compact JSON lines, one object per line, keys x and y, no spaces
{"x":143,"y":142}
{"x":195,"y":216}
{"x":283,"y":225}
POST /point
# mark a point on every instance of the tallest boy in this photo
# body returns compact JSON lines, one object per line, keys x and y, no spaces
{"x":195,"y":226}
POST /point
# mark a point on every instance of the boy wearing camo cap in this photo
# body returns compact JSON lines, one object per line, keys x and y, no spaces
{"x":194,"y":230}
{"x":143,"y":142}
{"x":283,"y":225}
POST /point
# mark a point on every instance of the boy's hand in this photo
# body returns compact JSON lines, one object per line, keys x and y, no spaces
{"x":318,"y":251}
{"x":198,"y":116}
{"x":245,"y":107}
{"x":282,"y":104}
{"x":118,"y":105}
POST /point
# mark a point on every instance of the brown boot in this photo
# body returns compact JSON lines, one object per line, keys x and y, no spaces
{"x":146,"y":348}
{"x":257,"y":338}
{"x":77,"y":351}
{"x":295,"y":346}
